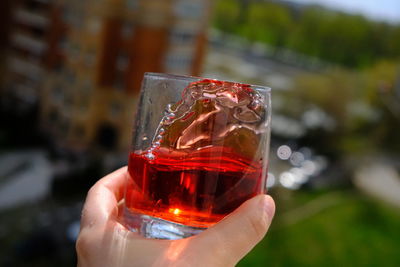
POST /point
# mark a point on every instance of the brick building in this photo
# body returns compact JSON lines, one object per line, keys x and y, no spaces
{"x":30,"y":29}
{"x":89,"y":57}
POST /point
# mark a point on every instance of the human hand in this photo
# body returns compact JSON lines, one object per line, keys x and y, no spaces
{"x":104,"y":241}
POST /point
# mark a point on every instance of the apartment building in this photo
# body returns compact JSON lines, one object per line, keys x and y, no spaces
{"x":30,"y":39}
{"x":88,"y":101}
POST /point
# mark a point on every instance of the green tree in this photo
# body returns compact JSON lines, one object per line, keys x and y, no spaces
{"x":269,"y":23}
{"x":226,"y":15}
{"x":345,"y":39}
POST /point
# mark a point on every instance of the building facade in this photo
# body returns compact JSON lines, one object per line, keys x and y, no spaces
{"x":31,"y":31}
{"x":88,"y":98}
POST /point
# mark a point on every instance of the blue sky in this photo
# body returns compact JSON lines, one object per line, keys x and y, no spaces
{"x":386,"y":10}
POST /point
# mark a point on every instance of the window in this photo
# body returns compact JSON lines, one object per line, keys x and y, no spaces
{"x":115,"y":109}
{"x":178,"y":62}
{"x":79,"y":131}
{"x":63,"y":126}
{"x":127,"y":30}
{"x":38,"y":33}
{"x":132,"y":4}
{"x":54,"y":116}
{"x":119,"y":81}
{"x":189,"y":9}
{"x":107,"y":136}
{"x":57,"y":94}
{"x":182,"y":36}
{"x":68,"y":102}
{"x":122,"y":61}
{"x":63,"y":43}
{"x":93,"y":25}
{"x":69,"y":76}
{"x":73,"y":17}
{"x":87,"y":86}
{"x":90,"y":58}
{"x":73,"y":51}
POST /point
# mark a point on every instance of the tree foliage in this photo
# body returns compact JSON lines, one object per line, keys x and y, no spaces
{"x":345,"y":39}
{"x":364,"y":104}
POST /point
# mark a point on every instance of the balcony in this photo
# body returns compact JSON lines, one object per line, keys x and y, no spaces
{"x":25,"y":68}
{"x":28,"y":43}
{"x":31,"y":18}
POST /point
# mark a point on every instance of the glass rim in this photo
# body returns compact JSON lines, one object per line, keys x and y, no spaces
{"x":265,"y":89}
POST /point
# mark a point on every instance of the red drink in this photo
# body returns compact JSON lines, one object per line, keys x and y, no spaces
{"x":199,"y":151}
{"x":195,"y":189}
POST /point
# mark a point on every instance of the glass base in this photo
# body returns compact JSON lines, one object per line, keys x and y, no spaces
{"x":152,"y":227}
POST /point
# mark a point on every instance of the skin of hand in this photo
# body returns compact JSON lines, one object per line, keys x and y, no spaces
{"x":104,"y":241}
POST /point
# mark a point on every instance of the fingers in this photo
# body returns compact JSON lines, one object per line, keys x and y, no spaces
{"x":232,"y":238}
{"x":102,"y":199}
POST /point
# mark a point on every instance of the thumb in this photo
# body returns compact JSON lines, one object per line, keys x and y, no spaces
{"x":232,"y":238}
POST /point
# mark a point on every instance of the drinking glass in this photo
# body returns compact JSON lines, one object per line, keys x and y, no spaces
{"x":200,"y":149}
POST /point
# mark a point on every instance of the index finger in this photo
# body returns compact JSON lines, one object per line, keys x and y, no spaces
{"x":102,"y":199}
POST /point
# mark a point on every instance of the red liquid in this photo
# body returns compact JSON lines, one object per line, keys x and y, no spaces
{"x":194,"y":189}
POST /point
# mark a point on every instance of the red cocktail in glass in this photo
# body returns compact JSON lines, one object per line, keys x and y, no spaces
{"x":203,"y":156}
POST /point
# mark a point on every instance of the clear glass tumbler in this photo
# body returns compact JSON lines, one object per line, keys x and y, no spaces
{"x":200,"y":149}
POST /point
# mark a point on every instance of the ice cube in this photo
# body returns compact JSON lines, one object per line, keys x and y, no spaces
{"x":212,"y":113}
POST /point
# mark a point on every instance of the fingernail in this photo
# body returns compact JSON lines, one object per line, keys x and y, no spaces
{"x":269,"y":207}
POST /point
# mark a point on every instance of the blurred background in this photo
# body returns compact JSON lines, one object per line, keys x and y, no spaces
{"x":70,"y":73}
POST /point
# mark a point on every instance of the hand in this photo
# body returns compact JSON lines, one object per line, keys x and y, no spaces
{"x":103,"y":241}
